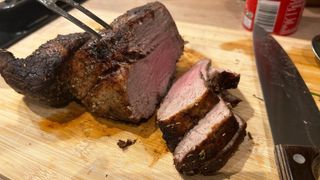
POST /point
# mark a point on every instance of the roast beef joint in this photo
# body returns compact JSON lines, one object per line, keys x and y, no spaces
{"x":122,"y":76}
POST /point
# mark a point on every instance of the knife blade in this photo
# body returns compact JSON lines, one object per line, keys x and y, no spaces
{"x":293,"y":115}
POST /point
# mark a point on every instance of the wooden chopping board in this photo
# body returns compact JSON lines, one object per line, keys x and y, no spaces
{"x":38,"y":142}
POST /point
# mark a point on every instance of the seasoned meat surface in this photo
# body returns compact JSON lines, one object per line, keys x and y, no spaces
{"x":41,"y":75}
{"x":211,"y":166}
{"x":129,"y":70}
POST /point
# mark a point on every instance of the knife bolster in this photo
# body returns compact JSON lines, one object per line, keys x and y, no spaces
{"x":297,"y":162}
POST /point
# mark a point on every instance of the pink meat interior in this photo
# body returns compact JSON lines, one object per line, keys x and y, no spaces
{"x":150,"y":77}
{"x":200,"y":132}
{"x":185,"y":91}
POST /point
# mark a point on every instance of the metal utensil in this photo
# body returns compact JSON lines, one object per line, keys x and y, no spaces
{"x":316,"y":46}
{"x":51,"y":4}
{"x":293,"y":114}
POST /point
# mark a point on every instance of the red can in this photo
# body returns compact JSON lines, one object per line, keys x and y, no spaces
{"x":278,"y":16}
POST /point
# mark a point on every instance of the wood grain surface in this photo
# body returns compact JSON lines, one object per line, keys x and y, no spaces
{"x":38,"y":142}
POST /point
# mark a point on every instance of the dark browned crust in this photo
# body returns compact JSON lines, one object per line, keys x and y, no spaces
{"x":228,"y":80}
{"x":209,"y":162}
{"x":105,"y":93}
{"x":220,"y":135}
{"x":95,"y":60}
{"x":109,"y":99}
{"x":40,"y":76}
{"x":219,"y":80}
{"x":125,"y":144}
{"x":213,"y":165}
{"x":174,"y":128}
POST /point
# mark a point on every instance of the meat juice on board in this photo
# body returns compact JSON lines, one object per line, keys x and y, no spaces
{"x":280,"y":17}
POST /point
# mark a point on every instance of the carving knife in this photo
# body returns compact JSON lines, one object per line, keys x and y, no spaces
{"x":293,"y":115}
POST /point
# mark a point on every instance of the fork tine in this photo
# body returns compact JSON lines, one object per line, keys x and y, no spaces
{"x":60,"y":11}
{"x":51,"y":4}
{"x":88,"y":13}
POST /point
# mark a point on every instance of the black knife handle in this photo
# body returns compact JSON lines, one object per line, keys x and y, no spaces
{"x":297,"y":162}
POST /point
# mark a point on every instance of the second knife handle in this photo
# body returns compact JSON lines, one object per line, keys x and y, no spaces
{"x":297,"y":162}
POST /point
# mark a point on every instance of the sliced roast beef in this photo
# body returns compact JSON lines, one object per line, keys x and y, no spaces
{"x":213,"y":165}
{"x":188,"y":100}
{"x":125,"y":74}
{"x":207,"y":140}
{"x":41,"y":75}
